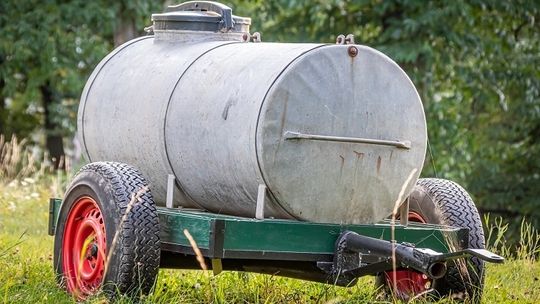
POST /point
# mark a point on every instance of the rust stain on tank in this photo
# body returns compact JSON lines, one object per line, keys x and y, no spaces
{"x":352,"y":51}
{"x":379,"y":164}
{"x":391,"y":154}
{"x":359,"y":154}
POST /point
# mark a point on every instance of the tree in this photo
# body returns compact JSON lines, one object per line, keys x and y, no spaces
{"x":48,"y":49}
{"x":475,"y":64}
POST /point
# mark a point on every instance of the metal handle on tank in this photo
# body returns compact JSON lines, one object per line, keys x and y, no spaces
{"x":405,"y":144}
{"x":210,"y":6}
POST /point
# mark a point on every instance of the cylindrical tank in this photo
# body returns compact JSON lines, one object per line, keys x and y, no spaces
{"x":332,"y":131}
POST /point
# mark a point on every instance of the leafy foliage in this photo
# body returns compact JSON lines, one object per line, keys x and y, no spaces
{"x":55,"y":44}
{"x":475,"y":64}
{"x":40,"y":45}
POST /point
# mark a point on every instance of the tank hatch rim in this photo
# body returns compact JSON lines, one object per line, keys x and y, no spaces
{"x":200,"y":16}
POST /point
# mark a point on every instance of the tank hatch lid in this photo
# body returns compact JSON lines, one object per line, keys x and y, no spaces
{"x":200,"y":16}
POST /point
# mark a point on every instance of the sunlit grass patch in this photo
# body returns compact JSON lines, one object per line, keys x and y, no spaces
{"x":26,"y":270}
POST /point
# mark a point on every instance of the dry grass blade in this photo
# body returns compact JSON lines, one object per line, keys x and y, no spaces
{"x":419,"y":295}
{"x":196,"y":249}
{"x":15,"y":159}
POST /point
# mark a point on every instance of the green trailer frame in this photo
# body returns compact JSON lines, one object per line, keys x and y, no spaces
{"x":291,"y":248}
{"x":221,"y":236}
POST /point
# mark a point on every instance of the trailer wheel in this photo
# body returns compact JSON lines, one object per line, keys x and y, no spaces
{"x":108,"y":233}
{"x":439,"y":201}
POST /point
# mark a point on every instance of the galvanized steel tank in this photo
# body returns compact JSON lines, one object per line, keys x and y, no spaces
{"x":332,"y":131}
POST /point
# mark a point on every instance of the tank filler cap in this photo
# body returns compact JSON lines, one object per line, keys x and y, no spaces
{"x":205,"y":16}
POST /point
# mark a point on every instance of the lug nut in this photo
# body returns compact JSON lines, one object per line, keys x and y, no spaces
{"x":94,"y":250}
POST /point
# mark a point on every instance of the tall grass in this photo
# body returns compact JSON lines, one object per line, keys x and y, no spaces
{"x":527,"y":247}
{"x":20,"y":165}
{"x":15,"y":161}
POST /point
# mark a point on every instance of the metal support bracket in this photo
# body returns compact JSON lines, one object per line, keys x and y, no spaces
{"x":261,"y":196}
{"x":170,"y":191}
{"x":342,"y":39}
{"x":404,"y":213}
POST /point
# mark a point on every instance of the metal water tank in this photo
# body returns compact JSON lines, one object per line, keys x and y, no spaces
{"x":332,"y":131}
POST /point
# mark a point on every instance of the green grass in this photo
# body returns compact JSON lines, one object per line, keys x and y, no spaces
{"x":26,"y":274}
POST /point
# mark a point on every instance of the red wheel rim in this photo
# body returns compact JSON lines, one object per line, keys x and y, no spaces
{"x":408,"y":282}
{"x":83,"y":248}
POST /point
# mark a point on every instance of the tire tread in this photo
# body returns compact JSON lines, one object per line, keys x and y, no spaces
{"x":457,"y":209}
{"x":137,"y":244}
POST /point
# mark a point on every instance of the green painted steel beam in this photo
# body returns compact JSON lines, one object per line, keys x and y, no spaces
{"x":288,"y":236}
{"x":223,"y":236}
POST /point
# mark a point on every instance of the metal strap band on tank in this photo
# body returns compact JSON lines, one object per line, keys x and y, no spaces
{"x":405,"y":144}
{"x":177,"y":182}
{"x":90,"y":83}
{"x":268,"y":189}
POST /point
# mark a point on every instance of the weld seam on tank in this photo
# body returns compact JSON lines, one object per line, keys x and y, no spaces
{"x":98,"y":70}
{"x":176,"y":180}
{"x":268,"y":189}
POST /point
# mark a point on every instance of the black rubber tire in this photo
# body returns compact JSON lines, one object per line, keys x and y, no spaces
{"x":134,"y":261}
{"x":444,"y":202}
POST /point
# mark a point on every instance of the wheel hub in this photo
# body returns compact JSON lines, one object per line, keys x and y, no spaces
{"x":93,"y":251}
{"x":84,"y":247}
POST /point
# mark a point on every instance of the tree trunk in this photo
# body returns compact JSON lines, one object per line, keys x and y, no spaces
{"x":125,"y":30}
{"x":3,"y":115}
{"x":53,"y":138}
